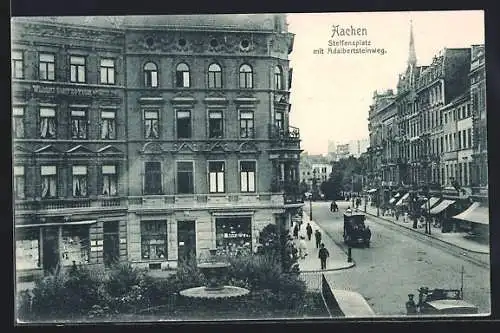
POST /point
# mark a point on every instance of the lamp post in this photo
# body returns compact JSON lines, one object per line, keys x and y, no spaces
{"x":313,"y":189}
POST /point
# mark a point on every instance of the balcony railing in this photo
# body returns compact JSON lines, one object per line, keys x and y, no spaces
{"x":71,"y":203}
{"x":289,"y":187}
{"x":290,"y":133}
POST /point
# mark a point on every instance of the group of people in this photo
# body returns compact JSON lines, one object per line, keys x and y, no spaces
{"x":323,"y":253}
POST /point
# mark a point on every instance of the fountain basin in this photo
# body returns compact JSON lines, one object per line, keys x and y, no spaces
{"x":220,"y":292}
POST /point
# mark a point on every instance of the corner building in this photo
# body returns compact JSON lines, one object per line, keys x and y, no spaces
{"x":202,"y":155}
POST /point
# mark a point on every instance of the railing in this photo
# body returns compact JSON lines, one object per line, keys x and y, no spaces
{"x":277,"y":133}
{"x":330,"y":301}
{"x":289,"y":187}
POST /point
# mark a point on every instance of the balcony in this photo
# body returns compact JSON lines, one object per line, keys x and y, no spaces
{"x":291,"y":190}
{"x":70,"y":205}
{"x":284,"y":134}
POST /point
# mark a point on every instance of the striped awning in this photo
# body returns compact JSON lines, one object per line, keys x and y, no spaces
{"x":432,"y":202}
{"x":403,"y":198}
{"x":392,"y":200}
{"x":373,"y":190}
{"x":475,"y":213}
{"x":441,"y":206}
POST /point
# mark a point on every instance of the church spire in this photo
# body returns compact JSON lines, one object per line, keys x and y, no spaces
{"x":412,"y":56}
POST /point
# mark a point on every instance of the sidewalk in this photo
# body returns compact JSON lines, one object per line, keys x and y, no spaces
{"x":311,"y":263}
{"x":455,"y":238}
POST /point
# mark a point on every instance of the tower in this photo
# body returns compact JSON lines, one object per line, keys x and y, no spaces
{"x":412,"y":55}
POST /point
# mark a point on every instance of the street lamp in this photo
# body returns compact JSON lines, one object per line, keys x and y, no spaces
{"x":313,"y":189}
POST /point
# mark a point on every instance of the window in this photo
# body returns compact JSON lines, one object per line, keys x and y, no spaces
{"x":77,"y":65}
{"x":246,"y":124}
{"x":79,"y":181}
{"x":183,"y":124}
{"x":107,"y":71}
{"x":48,"y":123}
{"x":234,"y":235}
{"x":215,"y":124}
{"x":214,"y":76}
{"x":455,"y":141}
{"x":446,"y":143}
{"x":247,"y":176}
{"x":466,"y":179}
{"x":27,"y":248}
{"x":109,"y":180}
{"x":18,"y":122}
{"x":278,"y":78}
{"x":246,"y":76}
{"x":153,"y":240}
{"x":151,"y":124}
{"x":49,"y":181}
{"x":216,"y":177}
{"x":182,"y":76}
{"x":19,"y":183}
{"x":446,"y":117}
{"x":78,"y":124}
{"x":279,"y":120}
{"x":17,"y":65}
{"x":459,"y":143}
{"x":150,"y":75}
{"x":46,"y":67}
{"x":75,"y":245}
{"x":469,"y":138}
{"x":185,"y":181}
{"x":464,"y":137}
{"x":468,"y":110}
{"x":152,"y":178}
{"x":108,"y":125}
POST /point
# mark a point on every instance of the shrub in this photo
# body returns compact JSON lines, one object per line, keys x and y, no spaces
{"x":122,"y":278}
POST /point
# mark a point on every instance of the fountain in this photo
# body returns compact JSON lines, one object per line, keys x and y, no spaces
{"x":213,"y":270}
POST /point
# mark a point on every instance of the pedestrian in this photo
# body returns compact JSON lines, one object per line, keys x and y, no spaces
{"x":323,"y":254}
{"x":411,"y":307}
{"x":302,"y":248}
{"x":317,"y":235}
{"x":296,"y":231}
{"x":348,"y":210}
{"x":332,"y":206}
{"x":309,"y":231}
{"x":396,"y":213}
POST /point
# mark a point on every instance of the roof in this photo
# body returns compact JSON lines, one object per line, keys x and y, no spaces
{"x":450,"y":303}
{"x":475,"y":213}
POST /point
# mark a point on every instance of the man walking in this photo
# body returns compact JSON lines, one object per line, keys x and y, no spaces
{"x":323,"y":254}
{"x":309,"y":231}
{"x":317,"y":235}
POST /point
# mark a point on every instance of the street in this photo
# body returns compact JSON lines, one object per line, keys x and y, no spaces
{"x":397,"y":264}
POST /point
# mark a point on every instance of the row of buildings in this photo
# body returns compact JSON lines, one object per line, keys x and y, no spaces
{"x":150,"y":139}
{"x":338,"y":150}
{"x":430,"y":135}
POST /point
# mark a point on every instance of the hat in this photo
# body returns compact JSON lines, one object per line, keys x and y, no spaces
{"x":411,"y":295}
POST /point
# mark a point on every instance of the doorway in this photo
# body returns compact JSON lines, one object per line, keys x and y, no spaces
{"x":186,"y":238}
{"x":111,"y":243}
{"x":50,"y":248}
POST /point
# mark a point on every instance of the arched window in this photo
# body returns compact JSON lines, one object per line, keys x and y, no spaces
{"x":246,"y":79}
{"x":214,"y":76}
{"x":182,"y":76}
{"x":278,"y":78}
{"x":150,"y":75}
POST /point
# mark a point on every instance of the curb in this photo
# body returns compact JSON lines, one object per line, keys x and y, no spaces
{"x":351,"y":265}
{"x":427,"y":235}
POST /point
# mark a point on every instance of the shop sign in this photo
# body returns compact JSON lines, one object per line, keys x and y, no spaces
{"x":72,"y":91}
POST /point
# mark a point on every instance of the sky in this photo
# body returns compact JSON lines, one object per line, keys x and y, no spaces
{"x":331,"y":93}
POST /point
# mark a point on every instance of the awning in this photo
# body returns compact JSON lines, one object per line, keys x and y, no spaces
{"x":397,"y":195}
{"x":403,"y":198}
{"x":392,"y":200}
{"x":442,"y":206}
{"x":432,"y":202}
{"x":372,"y":190}
{"x":475,"y":213}
{"x":54,"y":224}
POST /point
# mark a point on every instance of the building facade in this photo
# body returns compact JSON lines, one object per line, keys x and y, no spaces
{"x":150,"y":139}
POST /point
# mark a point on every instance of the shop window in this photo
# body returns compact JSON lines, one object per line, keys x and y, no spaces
{"x":107,"y":71}
{"x":49,"y":181}
{"x":183,"y":124}
{"x":109,"y":180}
{"x":215,"y":124}
{"x":185,"y":181}
{"x":46,"y":65}
{"x":19,"y":182}
{"x":152,"y":178}
{"x":153,"y":240}
{"x":17,"y":65}
{"x":278,"y":78}
{"x":79,"y":181}
{"x":216,"y":177}
{"x":150,"y":75}
{"x":75,"y":245}
{"x":247,"y":176}
{"x":77,"y":66}
{"x":151,"y":124}
{"x":18,"y":122}
{"x":214,"y":76}
{"x":234,"y":235}
{"x":182,"y":76}
{"x":27,"y":248}
{"x":48,"y":123}
{"x":78,"y":124}
{"x":246,"y":124}
{"x":246,"y":76}
{"x":108,"y":125}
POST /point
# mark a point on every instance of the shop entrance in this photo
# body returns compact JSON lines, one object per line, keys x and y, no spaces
{"x":50,"y":248}
{"x":111,"y":243}
{"x":186,"y":238}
